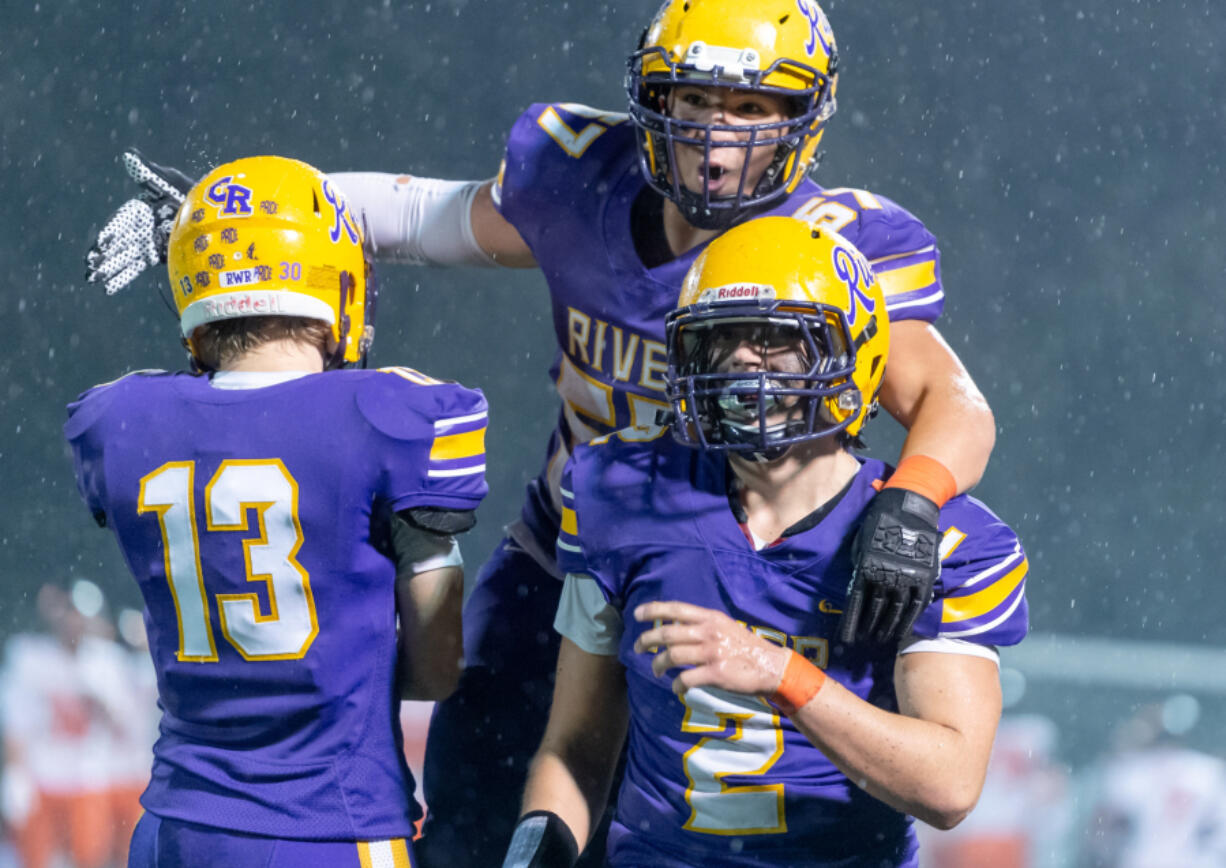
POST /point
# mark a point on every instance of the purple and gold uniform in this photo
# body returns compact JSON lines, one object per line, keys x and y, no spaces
{"x":256,"y":523}
{"x":568,"y":185}
{"x":723,"y":778}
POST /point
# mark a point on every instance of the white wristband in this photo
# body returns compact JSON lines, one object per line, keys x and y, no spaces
{"x":418,"y":221}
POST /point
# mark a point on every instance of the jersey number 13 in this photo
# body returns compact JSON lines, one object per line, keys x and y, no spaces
{"x":287,"y":629}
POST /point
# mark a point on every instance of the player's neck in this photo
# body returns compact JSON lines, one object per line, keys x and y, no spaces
{"x":282,"y":355}
{"x":681,"y":234}
{"x":778,"y":494}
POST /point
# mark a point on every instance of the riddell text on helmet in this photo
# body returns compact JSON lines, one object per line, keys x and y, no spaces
{"x":243,"y":305}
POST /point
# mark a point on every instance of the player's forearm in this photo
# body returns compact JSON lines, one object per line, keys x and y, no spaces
{"x":916,"y":766}
{"x":554,"y":785}
{"x":427,"y":221}
{"x":431,"y":635}
{"x":955,"y":426}
{"x":928,"y":390}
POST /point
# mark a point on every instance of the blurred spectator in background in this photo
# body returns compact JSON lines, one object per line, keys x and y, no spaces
{"x":1022,"y":818}
{"x":74,"y":722}
{"x":1156,"y":803}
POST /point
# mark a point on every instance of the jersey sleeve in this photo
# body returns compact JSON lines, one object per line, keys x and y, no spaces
{"x":903,"y":253}
{"x":981,"y":593}
{"x":543,"y":170}
{"x":579,"y":547}
{"x":430,"y":438}
{"x":82,"y":435}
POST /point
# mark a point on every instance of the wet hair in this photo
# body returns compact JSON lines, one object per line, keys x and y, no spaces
{"x":224,"y":341}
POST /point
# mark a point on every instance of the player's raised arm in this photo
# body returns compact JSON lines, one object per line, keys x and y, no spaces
{"x":928,"y":390}
{"x":426,"y":221}
{"x":419,"y":221}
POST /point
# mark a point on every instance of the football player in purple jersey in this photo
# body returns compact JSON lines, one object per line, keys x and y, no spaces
{"x":705,"y":574}
{"x":291,"y":526}
{"x":728,"y":101}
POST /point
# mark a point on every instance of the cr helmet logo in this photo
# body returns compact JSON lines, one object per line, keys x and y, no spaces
{"x":233,"y":199}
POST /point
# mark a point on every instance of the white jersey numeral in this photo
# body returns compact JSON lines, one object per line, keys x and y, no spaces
{"x":745,"y":740}
{"x":573,"y":141}
{"x":287,"y":629}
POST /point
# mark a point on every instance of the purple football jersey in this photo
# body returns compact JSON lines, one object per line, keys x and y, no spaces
{"x":569,"y":179}
{"x":256,"y":523}
{"x":723,"y":778}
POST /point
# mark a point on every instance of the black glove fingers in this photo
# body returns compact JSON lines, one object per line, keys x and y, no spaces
{"x":887,"y":631}
{"x":851,"y":612}
{"x":876,"y":607}
{"x":918,"y":604}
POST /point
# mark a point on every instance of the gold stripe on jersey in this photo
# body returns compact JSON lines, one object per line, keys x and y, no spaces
{"x":982,"y":602}
{"x":384,"y":854}
{"x":570,"y":522}
{"x":907,"y":279}
{"x":467,"y":444}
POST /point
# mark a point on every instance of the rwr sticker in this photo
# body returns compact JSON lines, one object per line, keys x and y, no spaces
{"x":239,"y":277}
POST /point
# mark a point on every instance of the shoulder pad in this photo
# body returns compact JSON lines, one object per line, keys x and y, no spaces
{"x":407,"y":405}
{"x":91,"y":403}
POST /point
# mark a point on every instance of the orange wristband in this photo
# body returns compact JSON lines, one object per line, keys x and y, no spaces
{"x":925,"y":476}
{"x":801,"y":681}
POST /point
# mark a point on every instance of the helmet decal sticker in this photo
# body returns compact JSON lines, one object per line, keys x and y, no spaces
{"x":342,"y":216}
{"x":738,"y":290}
{"x":234,"y":199}
{"x":819,"y":27}
{"x":853,"y":270}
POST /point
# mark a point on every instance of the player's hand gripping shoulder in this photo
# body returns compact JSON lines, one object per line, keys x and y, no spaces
{"x":897,"y":563}
{"x":136,"y":235}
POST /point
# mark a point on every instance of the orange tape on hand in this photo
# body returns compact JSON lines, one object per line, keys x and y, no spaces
{"x":925,"y":476}
{"x":800,"y":683}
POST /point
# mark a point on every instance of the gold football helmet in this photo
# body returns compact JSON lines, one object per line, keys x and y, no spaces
{"x":778,"y":47}
{"x":271,"y":236}
{"x":788,"y":290}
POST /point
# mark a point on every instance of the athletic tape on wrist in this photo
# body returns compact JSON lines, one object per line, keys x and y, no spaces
{"x":925,"y":476}
{"x":800,"y":683}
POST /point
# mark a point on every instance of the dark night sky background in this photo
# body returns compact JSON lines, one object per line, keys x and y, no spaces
{"x":1068,"y":155}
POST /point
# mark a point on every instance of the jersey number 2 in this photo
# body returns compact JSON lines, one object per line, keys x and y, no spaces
{"x":754,"y":744}
{"x":289,"y":627}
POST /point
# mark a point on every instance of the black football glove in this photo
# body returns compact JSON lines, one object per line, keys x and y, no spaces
{"x":137,"y":234}
{"x":896,"y":564}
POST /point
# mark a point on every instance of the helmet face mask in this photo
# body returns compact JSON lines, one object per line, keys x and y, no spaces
{"x":271,"y":236}
{"x":729,"y":403}
{"x":722,"y":44}
{"x":780,"y":337}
